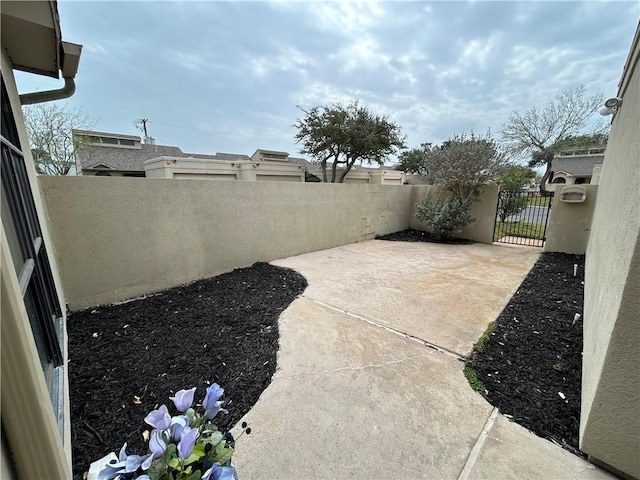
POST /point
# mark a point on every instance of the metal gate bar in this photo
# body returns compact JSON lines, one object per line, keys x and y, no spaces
{"x":522,"y":217}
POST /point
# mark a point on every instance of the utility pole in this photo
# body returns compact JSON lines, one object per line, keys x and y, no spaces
{"x":142,"y":126}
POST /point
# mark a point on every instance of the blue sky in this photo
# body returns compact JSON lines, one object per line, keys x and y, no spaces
{"x":227,"y":76}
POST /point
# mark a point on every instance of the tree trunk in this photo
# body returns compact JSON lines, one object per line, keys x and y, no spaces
{"x":543,"y":188}
{"x":347,"y":169}
{"x":323,"y":166}
{"x":333,"y":171}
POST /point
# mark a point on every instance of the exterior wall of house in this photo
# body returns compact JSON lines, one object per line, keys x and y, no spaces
{"x":183,"y":230}
{"x":374,"y":177}
{"x":610,"y":417}
{"x":209,"y":169}
{"x":551,"y":187}
{"x":569,"y":224}
{"x":23,"y":384}
{"x":484,"y":212}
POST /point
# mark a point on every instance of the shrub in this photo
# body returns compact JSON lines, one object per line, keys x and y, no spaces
{"x":444,"y":217}
{"x":511,"y":203}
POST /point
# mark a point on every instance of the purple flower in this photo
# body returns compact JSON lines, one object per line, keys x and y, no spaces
{"x":126,"y":464}
{"x":211,"y":404}
{"x":213,"y":473}
{"x":157,"y":447}
{"x":177,"y":426}
{"x":159,"y":419}
{"x":134,"y":462}
{"x":216,"y":472}
{"x":183,"y":399}
{"x":187,"y":442}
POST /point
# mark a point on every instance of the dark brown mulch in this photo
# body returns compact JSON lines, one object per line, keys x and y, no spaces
{"x":223,"y":329}
{"x":534,"y":357}
{"x":411,"y":235}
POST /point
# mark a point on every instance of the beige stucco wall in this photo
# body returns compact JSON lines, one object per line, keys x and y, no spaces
{"x":23,"y":385}
{"x":484,"y":212}
{"x":610,"y":418}
{"x":209,"y":169}
{"x":123,"y":237}
{"x":569,"y":224}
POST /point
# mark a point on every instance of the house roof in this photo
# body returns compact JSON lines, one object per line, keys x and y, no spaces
{"x":300,"y":161}
{"x":576,"y":165}
{"x":94,"y":133}
{"x":124,"y":158}
{"x":229,"y":157}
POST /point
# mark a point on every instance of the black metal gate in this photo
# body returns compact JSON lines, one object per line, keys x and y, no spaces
{"x":522,"y":217}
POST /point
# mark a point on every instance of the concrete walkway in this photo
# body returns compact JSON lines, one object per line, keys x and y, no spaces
{"x":369,"y":383}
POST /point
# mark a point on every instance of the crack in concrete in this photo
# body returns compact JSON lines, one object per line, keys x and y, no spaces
{"x":391,"y":329}
{"x":343,"y":369}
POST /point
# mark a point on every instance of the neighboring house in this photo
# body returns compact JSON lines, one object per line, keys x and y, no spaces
{"x":113,"y":154}
{"x":576,"y":167}
{"x":360,"y":174}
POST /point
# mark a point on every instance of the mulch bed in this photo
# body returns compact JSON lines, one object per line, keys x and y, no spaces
{"x":531,"y":366}
{"x":411,"y":235}
{"x":223,"y":329}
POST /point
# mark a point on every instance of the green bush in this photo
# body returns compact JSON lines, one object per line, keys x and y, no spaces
{"x":444,"y":217}
{"x":511,"y":203}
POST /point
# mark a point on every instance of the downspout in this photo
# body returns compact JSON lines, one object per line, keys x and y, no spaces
{"x":50,"y":95}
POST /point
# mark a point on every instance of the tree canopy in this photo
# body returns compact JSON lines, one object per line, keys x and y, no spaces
{"x":515,"y":177}
{"x":463,"y":163}
{"x":49,"y":129}
{"x":539,"y":133}
{"x":344,"y":135}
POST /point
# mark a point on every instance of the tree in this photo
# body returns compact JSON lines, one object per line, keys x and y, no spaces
{"x":412,"y":161}
{"x":461,"y":165}
{"x":346,"y":134}
{"x":511,"y":202}
{"x":540,"y":132}
{"x":49,"y":129}
{"x":515,"y":177}
{"x":464,"y":163}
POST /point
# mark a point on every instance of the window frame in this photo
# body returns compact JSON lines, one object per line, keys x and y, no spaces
{"x":35,"y":278}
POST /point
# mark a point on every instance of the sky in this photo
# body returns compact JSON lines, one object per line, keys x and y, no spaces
{"x":233,"y":76}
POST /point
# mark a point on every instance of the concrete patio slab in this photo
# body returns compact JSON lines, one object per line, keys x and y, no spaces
{"x":355,"y":397}
{"x":412,"y":287}
{"x":352,"y":400}
{"x":512,"y":451}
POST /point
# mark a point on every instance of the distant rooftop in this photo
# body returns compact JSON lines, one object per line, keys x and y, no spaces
{"x":577,"y":164}
{"x":127,"y":152}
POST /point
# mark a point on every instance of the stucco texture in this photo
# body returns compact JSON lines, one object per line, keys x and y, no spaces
{"x":484,"y":211}
{"x":569,"y":224}
{"x":123,"y":237}
{"x":610,"y":419}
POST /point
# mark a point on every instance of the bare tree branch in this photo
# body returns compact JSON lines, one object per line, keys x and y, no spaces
{"x":49,"y":129}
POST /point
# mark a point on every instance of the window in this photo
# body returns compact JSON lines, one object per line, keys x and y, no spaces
{"x":127,"y":143}
{"x":22,"y":227}
{"x":582,"y":180}
{"x":559,"y":180}
{"x":103,"y":174}
{"x":110,"y":141}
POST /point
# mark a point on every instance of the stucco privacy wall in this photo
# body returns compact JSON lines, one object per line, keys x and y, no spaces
{"x":123,"y":237}
{"x":610,"y":417}
{"x":484,"y":212}
{"x":569,"y":224}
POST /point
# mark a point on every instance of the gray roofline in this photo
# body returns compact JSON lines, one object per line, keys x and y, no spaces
{"x":93,"y":133}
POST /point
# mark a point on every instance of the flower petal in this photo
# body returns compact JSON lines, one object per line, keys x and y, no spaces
{"x":157,"y":444}
{"x":185,"y":447}
{"x":159,"y":418}
{"x":183,"y":399}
